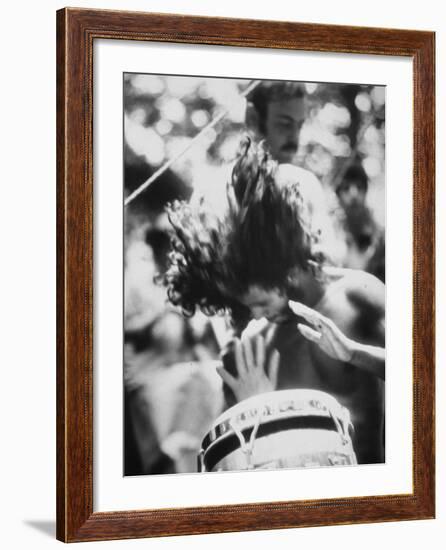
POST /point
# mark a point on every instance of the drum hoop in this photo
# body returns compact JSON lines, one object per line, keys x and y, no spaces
{"x":310,"y":398}
{"x":214,"y":451}
{"x":281,"y":410}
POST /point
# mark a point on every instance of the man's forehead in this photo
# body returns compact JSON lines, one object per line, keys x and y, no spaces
{"x":257,"y":293}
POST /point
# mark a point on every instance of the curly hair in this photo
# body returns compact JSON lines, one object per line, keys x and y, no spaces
{"x":263,"y":239}
{"x":193,"y":262}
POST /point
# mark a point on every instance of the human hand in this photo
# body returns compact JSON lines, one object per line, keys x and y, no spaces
{"x":252,"y":377}
{"x":324,"y":333}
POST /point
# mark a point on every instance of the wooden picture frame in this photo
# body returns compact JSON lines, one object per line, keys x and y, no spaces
{"x":77,"y":29}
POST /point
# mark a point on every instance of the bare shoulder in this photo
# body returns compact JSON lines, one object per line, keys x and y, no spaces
{"x":292,"y":172}
{"x":359,"y":288}
{"x":365,"y":288}
{"x":289,"y":174}
{"x":355,"y":301}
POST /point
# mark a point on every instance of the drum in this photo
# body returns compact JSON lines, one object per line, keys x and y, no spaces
{"x":282,"y":429}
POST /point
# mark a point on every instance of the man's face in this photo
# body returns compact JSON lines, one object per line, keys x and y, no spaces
{"x":269,"y":303}
{"x":351,"y":194}
{"x":282,"y":127}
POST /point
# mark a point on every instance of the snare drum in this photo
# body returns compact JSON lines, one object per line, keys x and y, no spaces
{"x":281,"y":429}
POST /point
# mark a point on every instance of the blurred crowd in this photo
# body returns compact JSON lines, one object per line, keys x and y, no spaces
{"x":172,"y":391}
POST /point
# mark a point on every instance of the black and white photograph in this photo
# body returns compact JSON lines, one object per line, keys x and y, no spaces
{"x":254,"y":274}
{"x":222,"y":261}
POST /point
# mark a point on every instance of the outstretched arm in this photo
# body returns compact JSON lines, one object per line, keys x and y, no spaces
{"x":324,"y":332}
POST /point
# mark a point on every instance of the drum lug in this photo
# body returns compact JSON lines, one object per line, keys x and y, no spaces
{"x":247,"y":447}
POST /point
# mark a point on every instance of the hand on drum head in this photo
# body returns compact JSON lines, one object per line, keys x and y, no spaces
{"x":323,"y":332}
{"x":254,"y":373}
